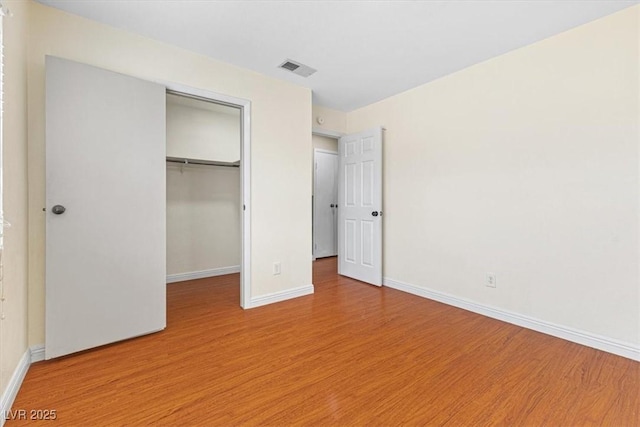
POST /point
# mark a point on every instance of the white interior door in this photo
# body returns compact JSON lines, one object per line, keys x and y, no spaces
{"x":105,"y":164}
{"x":325,"y":203}
{"x":360,"y":206}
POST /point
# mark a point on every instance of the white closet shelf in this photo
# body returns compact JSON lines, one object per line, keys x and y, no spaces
{"x":187,"y":162}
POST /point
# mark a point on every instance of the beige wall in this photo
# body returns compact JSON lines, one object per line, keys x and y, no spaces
{"x":526,"y":166}
{"x":13,"y":328}
{"x":334,"y":120}
{"x":280,"y":131}
{"x":325,"y":143}
{"x":203,"y":218}
{"x":201,"y":130}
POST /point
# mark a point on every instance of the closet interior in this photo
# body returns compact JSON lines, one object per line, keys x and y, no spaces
{"x":203,"y":188}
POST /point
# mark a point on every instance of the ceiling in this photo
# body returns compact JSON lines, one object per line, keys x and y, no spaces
{"x":364,"y":51}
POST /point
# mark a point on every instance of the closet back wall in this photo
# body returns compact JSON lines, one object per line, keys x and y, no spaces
{"x":203,"y":201}
{"x":203,"y":221}
{"x":202,"y":130}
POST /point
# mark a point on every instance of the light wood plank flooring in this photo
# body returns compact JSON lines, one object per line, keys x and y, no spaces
{"x":349,"y":355}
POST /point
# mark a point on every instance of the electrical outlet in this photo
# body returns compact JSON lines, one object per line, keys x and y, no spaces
{"x":491,"y":280}
{"x":276,"y":268}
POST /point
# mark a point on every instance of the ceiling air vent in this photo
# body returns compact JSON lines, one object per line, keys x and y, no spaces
{"x":290,"y":66}
{"x":297,"y":68}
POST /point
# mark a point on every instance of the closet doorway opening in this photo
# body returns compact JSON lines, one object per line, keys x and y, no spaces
{"x":207,"y":174}
{"x":325,"y":196}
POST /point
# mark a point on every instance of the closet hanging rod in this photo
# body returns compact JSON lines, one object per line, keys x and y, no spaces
{"x":203,"y":162}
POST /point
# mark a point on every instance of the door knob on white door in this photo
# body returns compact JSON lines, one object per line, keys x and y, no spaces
{"x":58,"y":209}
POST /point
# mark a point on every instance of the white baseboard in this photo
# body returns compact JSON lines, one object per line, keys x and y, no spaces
{"x":609,"y":345}
{"x":280,"y":296}
{"x":10,"y":393}
{"x":37,"y":353}
{"x":192,"y":275}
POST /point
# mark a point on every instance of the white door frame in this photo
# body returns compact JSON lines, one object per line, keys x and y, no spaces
{"x":327,"y":133}
{"x":245,"y":173}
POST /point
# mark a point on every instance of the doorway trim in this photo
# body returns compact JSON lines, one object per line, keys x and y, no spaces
{"x":244,"y":106}
{"x":326,"y":132}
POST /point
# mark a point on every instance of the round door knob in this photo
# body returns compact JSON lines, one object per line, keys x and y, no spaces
{"x":374,"y":213}
{"x":58,"y":209}
{"x":332,"y":205}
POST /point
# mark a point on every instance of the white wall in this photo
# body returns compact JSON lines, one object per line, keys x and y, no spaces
{"x":203,"y":218}
{"x":280,"y":151}
{"x":525,"y":165}
{"x":200,"y":130}
{"x":13,"y":328}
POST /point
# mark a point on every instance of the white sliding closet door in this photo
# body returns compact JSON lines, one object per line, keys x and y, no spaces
{"x":105,"y":166}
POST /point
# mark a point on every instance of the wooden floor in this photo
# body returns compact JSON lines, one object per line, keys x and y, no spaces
{"x":349,"y":355}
